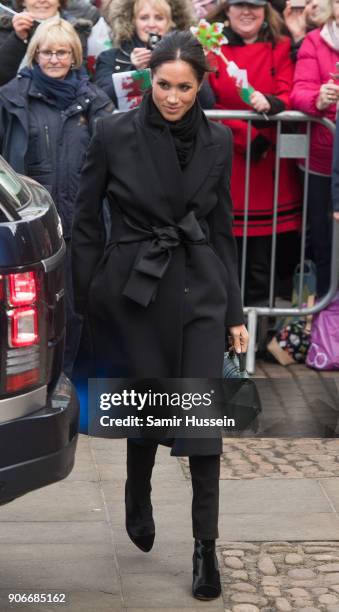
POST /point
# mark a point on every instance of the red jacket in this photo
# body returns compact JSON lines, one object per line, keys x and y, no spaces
{"x":316,"y":61}
{"x":270,"y":71}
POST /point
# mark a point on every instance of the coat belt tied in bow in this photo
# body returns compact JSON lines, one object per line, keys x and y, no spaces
{"x":143,"y":281}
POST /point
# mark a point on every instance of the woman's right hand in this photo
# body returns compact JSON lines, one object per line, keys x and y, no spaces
{"x":328,"y":94}
{"x":259,"y":102}
{"x":140,"y":57}
{"x":22,"y":24}
{"x":239,"y":338}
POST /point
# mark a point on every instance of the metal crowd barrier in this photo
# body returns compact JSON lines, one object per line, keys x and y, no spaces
{"x":292,"y":146}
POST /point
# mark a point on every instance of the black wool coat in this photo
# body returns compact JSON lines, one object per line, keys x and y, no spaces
{"x":159,"y":295}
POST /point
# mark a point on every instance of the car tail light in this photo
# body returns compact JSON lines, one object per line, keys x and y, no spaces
{"x":23,"y":327}
{"x":15,"y":382}
{"x":22,"y":288}
{"x":19,"y":293}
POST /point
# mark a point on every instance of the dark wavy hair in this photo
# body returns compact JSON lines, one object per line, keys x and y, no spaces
{"x":180,"y":46}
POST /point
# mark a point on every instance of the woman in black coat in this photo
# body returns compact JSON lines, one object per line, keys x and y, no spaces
{"x":47,"y":115}
{"x":160,"y":294}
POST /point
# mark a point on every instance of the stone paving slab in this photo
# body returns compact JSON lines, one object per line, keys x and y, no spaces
{"x":167,"y":557}
{"x":161,"y":472}
{"x":81,"y":501}
{"x":58,"y":532}
{"x":273,"y":496}
{"x":109,"y":456}
{"x":60,"y":567}
{"x":331,"y":488}
{"x":302,"y":526}
{"x":165,"y":592}
{"x":280,"y":576}
{"x":84,"y":470}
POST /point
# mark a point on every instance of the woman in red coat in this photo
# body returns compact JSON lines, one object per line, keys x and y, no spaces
{"x":255,"y":43}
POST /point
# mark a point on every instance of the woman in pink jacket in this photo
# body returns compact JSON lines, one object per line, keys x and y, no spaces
{"x":316,"y":92}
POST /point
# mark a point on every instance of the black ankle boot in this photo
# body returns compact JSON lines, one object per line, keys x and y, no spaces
{"x":139,"y":521}
{"x":206,"y":577}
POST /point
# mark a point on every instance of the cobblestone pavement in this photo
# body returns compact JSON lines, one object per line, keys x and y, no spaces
{"x":280,"y":458}
{"x":277,"y":458}
{"x":280,"y":576}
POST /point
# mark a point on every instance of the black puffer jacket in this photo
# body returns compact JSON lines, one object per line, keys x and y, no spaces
{"x":47,"y":144}
{"x":13,"y":49}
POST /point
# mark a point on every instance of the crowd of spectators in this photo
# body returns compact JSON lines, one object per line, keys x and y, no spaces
{"x":57,"y":62}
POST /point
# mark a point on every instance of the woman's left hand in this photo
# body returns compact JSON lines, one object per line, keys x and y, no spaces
{"x":140,"y":57}
{"x":240,"y":337}
{"x":295,"y":20}
{"x":259,"y":102}
{"x":336,"y":216}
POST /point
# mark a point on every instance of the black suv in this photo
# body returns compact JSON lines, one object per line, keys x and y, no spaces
{"x":39,"y":409}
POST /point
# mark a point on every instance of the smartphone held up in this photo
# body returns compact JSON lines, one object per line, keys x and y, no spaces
{"x":298,"y":4}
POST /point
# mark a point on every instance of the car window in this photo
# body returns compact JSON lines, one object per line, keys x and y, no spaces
{"x":14,"y":195}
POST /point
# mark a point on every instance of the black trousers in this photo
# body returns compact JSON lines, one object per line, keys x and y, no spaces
{"x":319,"y":222}
{"x":205,"y":472}
{"x":258,"y":266}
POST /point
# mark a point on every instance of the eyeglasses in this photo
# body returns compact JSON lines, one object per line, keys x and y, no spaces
{"x":60,"y":55}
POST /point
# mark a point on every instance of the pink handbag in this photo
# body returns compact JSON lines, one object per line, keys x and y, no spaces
{"x":323,"y":353}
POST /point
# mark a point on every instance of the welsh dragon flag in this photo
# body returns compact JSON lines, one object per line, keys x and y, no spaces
{"x":130,"y":87}
{"x":211,"y":37}
{"x":239,"y":77}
